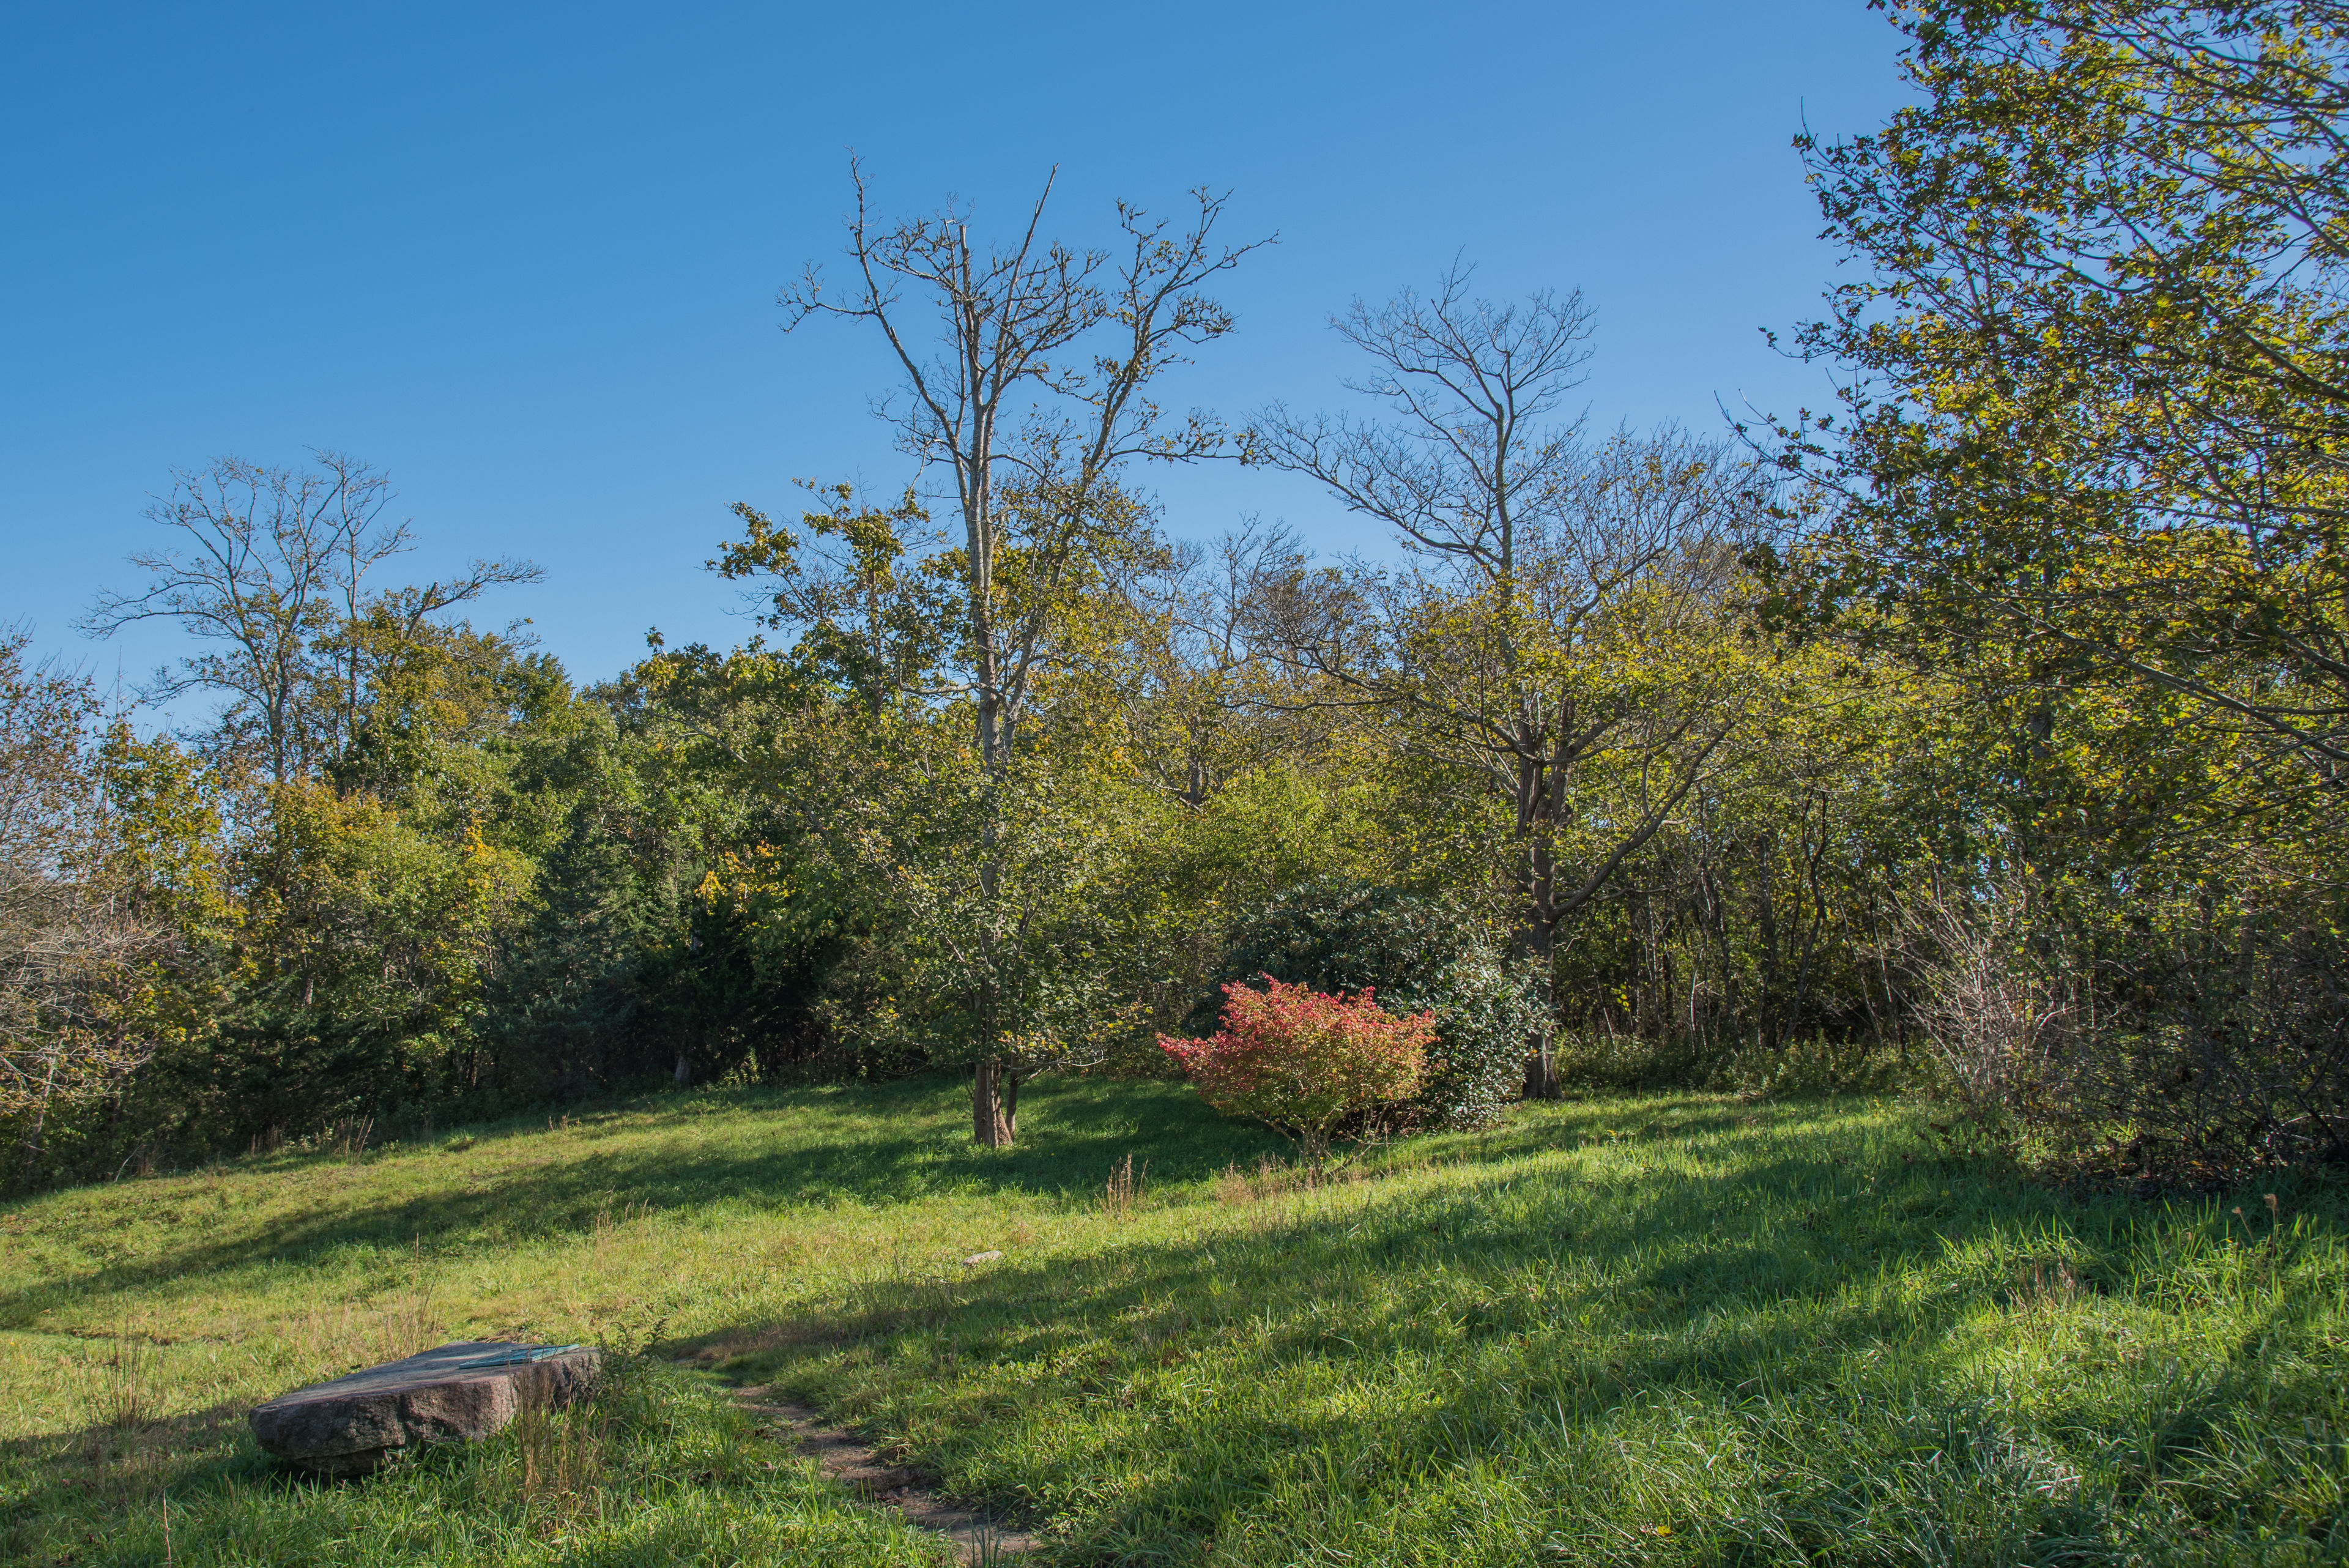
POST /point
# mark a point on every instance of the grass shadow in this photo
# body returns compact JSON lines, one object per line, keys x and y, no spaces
{"x":1815,"y":1303}
{"x":888,"y":1144}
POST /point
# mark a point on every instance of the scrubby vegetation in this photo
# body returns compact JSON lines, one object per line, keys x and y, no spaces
{"x":1855,"y":1064}
{"x":1980,"y":738}
{"x":1668,"y":1329}
{"x":1335,"y":935}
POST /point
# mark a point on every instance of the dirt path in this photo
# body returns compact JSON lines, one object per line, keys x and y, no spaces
{"x":976,"y":1538}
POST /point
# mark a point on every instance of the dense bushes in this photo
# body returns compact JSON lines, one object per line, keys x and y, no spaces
{"x":2199,"y":1039}
{"x":1710,"y":738}
{"x":1304,"y":1061}
{"x":1341,"y":934}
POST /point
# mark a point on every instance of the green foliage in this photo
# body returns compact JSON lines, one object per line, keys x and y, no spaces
{"x":2052,"y":606}
{"x":2092,"y":403}
{"x":2087,"y":470}
{"x":567,"y":988}
{"x":77,"y":960}
{"x":1486,"y":1010}
{"x":1336,"y":934}
{"x":999,"y":958}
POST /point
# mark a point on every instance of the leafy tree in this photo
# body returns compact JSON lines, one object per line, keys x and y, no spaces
{"x":1558,"y":613}
{"x":1029,"y":389}
{"x":111,"y":898}
{"x":566,"y":992}
{"x":1199,"y":694}
{"x":2088,"y":463}
{"x":759,"y":806}
{"x":371,"y":939}
{"x":59,"y":942}
{"x":2097,"y":391}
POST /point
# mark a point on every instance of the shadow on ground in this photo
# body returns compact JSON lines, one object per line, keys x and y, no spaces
{"x":1748,"y":1296}
{"x":885,"y":1144}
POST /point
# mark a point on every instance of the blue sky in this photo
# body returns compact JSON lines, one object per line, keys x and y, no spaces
{"x":525,"y":257}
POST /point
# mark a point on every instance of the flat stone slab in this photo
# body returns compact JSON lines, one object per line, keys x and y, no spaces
{"x":457,"y":1393}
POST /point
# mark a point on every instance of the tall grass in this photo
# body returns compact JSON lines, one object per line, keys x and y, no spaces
{"x":1658,"y":1330}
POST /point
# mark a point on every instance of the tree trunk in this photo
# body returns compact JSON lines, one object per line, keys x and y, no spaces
{"x":992,"y":1109}
{"x":1540,"y":789}
{"x":32,"y":1145}
{"x":1765,"y":927}
{"x":1541,"y":1046}
{"x":1541,"y":1066}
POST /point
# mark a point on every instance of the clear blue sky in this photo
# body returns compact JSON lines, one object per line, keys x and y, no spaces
{"x":525,"y":257}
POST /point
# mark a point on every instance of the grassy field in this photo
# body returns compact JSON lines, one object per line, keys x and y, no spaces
{"x":1666,"y":1330}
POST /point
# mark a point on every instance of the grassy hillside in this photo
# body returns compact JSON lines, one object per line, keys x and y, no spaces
{"x":1662,"y":1329}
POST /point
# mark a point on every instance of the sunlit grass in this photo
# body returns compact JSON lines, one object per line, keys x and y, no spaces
{"x":1661,"y":1330}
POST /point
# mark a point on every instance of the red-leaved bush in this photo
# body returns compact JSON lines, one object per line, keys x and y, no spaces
{"x":1304,"y":1060}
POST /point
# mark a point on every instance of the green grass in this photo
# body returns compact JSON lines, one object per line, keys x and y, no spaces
{"x":1662,"y":1329}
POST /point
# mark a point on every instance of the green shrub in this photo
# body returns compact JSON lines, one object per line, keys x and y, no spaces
{"x":1420,"y":954}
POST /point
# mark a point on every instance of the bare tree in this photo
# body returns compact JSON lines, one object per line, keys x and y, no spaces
{"x":1533,"y":636}
{"x":1199,"y":688}
{"x":1026,"y":370}
{"x":270,"y":566}
{"x":65,"y":942}
{"x":1990,"y":1017}
{"x":1468,"y":472}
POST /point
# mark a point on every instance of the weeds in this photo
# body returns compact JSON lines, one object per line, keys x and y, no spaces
{"x":2047,"y":1287}
{"x":346,"y":1139}
{"x":126,"y":1397}
{"x":604,"y":1233}
{"x":1123,"y":1190}
{"x":1271,"y":1177}
{"x":562,"y":1455}
{"x":410,"y":1325}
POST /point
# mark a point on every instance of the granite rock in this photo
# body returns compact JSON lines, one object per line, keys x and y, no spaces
{"x":457,"y":1393}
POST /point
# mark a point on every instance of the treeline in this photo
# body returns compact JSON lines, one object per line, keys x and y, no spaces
{"x":1983,"y":736}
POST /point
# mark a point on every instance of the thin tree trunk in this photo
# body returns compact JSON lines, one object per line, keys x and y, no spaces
{"x":33,"y":1140}
{"x":1766,"y":926}
{"x":992,"y":1120}
{"x":1539,"y":791}
{"x":991,"y":1117}
{"x":1541,"y":1046}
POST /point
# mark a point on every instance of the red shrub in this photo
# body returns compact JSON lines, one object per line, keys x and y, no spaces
{"x":1303,"y":1060}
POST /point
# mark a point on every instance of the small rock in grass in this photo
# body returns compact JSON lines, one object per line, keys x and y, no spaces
{"x":458,"y":1393}
{"x":981,"y":1258}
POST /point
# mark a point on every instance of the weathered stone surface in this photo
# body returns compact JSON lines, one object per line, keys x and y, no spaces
{"x":458,"y":1393}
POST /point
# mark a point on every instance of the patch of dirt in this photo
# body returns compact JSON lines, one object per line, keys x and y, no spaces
{"x":708,"y":1351}
{"x":848,"y":1459}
